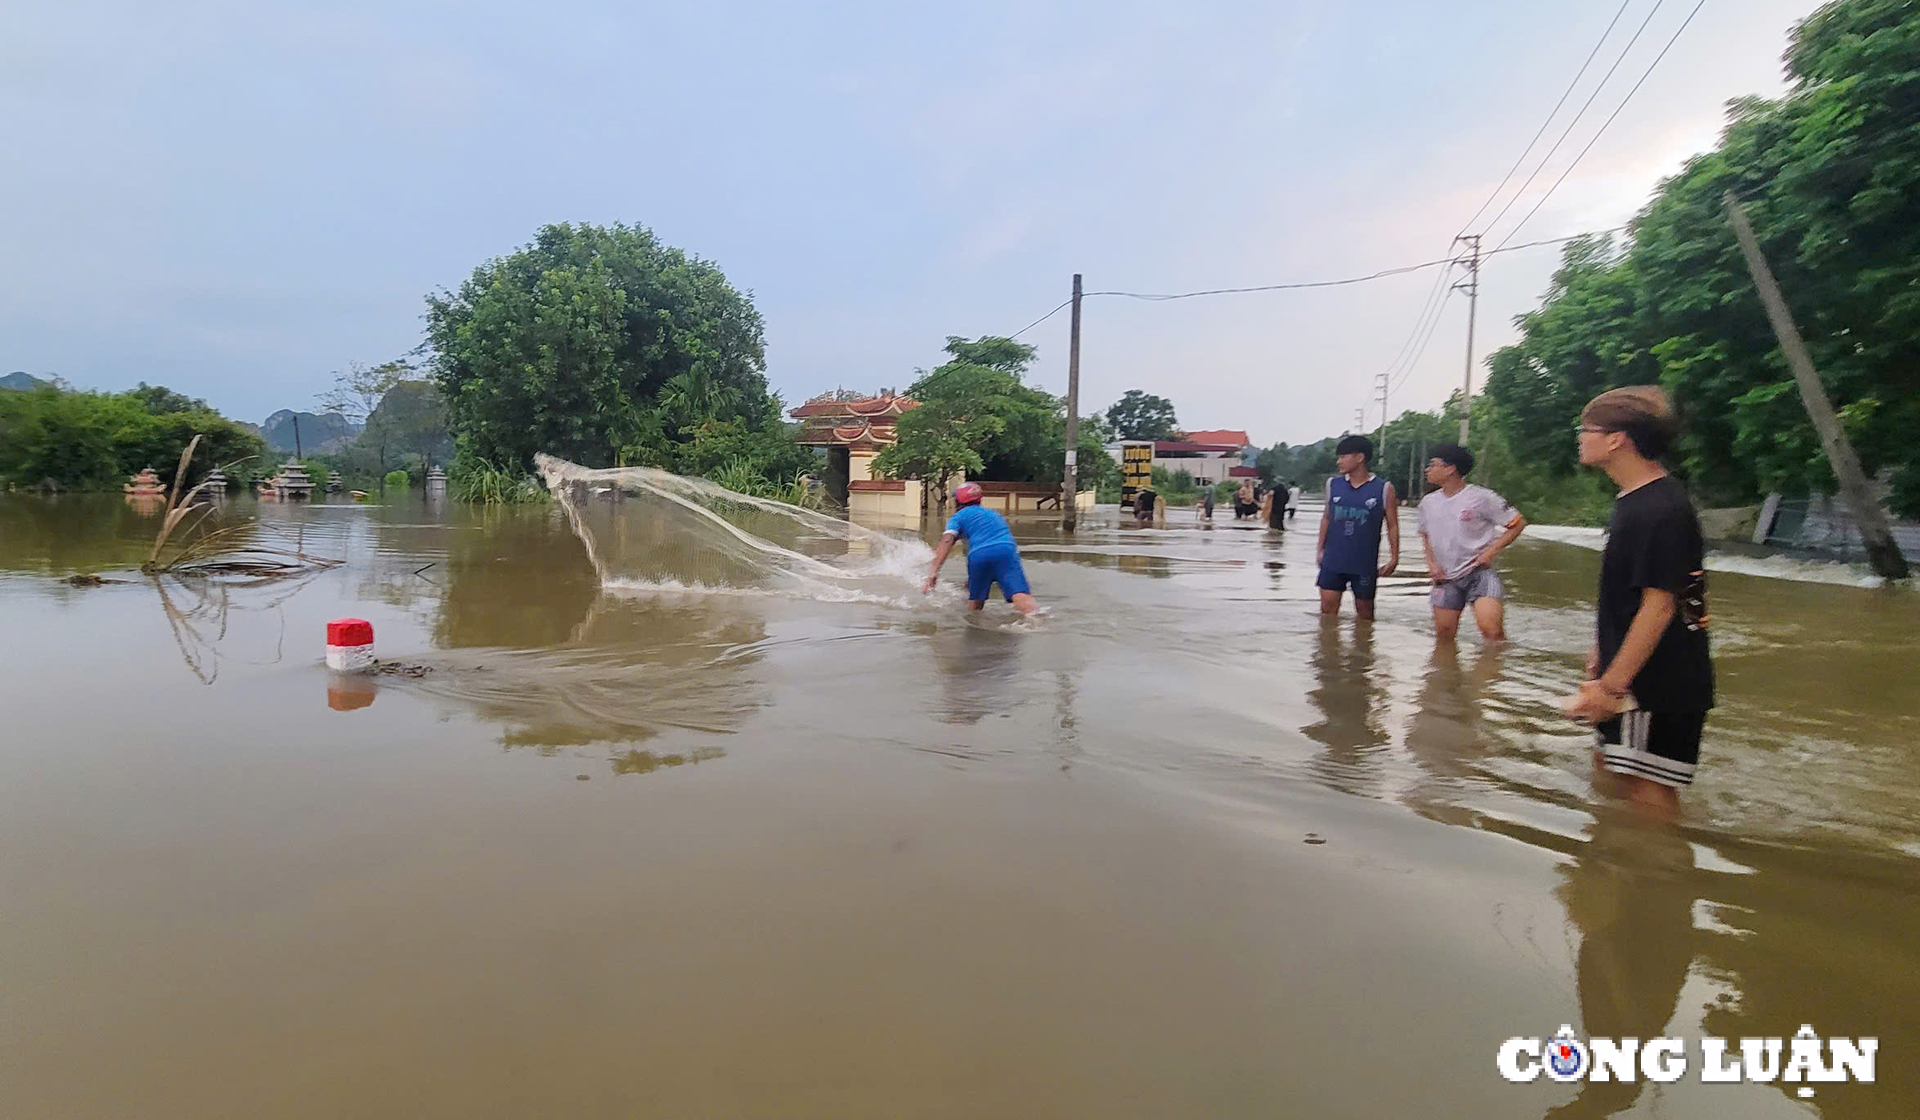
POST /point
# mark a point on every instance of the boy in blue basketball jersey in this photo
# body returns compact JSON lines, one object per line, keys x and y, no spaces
{"x":1359,"y":503}
{"x":992,"y":557}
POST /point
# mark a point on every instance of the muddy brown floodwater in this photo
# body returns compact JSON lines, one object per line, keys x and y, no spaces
{"x":742,"y":854}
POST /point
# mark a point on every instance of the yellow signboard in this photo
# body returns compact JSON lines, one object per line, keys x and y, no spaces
{"x":1136,"y":471}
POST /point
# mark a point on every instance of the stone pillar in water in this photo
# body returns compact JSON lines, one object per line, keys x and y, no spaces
{"x":436,"y":484}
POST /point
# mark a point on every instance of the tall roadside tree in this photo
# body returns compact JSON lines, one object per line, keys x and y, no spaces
{"x":1829,"y":175}
{"x":978,"y":416}
{"x":599,"y":344}
{"x":1140,"y":415}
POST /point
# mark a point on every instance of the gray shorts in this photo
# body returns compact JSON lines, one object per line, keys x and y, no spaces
{"x":1456,"y":593}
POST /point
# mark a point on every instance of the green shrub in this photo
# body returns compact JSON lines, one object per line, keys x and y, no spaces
{"x":740,"y":477}
{"x":395,"y":483}
{"x":484,"y":483}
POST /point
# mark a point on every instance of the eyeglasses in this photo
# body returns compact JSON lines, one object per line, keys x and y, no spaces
{"x":1588,"y":429}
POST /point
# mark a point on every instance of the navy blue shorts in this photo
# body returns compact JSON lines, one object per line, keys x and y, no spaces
{"x":999,"y":565}
{"x":1363,"y":586}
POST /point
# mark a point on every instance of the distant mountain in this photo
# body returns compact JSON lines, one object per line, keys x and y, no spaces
{"x":321,"y":432}
{"x":19,"y":379}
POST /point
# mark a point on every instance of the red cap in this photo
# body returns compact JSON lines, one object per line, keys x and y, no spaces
{"x":349,"y":632}
{"x":966,"y":493}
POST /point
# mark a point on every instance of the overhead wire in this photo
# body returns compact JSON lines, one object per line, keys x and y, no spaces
{"x":1603,"y":127}
{"x":1404,"y":360}
{"x":1571,"y":124}
{"x":1542,"y":131}
{"x":1063,"y":306}
{"x":1415,"y":360}
{"x":1159,"y":297}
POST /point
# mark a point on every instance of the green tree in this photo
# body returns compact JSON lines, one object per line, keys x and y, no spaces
{"x":976,"y":415}
{"x":97,"y":440}
{"x":1830,"y":177}
{"x":159,"y":399}
{"x":1303,"y":465}
{"x":598,"y":344}
{"x":1139,"y":415}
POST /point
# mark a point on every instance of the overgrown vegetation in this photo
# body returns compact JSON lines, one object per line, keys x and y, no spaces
{"x":96,"y":441}
{"x":224,"y":550}
{"x":977,"y":415}
{"x":1830,"y":178}
{"x":741,"y":477}
{"x":484,"y":483}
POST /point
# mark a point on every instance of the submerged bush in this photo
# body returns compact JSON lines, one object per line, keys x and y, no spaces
{"x":484,"y":483}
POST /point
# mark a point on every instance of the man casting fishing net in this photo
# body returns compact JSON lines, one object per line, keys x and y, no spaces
{"x":992,"y":557}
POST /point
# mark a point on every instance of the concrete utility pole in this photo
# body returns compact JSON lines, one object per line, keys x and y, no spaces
{"x":1882,"y":552}
{"x":1471,"y":285}
{"x":1070,"y":478}
{"x":1380,"y":448}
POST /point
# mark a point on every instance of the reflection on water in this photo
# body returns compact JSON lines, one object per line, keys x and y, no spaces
{"x":1629,"y":897}
{"x":1350,"y":703}
{"x":876,"y":824}
{"x":979,"y":666}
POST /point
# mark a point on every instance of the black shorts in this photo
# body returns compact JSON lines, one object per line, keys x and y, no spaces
{"x":1661,"y":747}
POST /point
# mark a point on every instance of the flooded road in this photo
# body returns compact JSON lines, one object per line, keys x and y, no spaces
{"x":1185,"y":849}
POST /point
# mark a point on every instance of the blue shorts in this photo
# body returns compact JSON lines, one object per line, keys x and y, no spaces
{"x":995,"y":565}
{"x":1363,"y":586}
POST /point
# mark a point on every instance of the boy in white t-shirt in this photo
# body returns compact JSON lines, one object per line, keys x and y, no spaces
{"x":1463,"y":528}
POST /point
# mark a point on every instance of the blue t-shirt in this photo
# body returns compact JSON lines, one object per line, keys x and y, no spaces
{"x":982,"y":529}
{"x":1353,"y":538}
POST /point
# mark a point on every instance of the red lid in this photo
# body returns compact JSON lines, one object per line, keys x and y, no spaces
{"x":349,"y":632}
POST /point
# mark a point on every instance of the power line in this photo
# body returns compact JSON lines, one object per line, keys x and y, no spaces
{"x":1427,"y":307}
{"x":1405,"y":359}
{"x":1568,"y":131}
{"x":1041,"y":319}
{"x":1608,"y":121}
{"x":1434,"y":326}
{"x":1591,"y":55}
{"x":1380,"y":275}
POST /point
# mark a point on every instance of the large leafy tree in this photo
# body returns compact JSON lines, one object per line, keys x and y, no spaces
{"x":159,"y":400}
{"x":598,"y":344}
{"x":1140,"y":415}
{"x":1830,"y":177}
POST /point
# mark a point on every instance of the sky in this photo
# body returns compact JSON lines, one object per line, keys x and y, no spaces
{"x":239,"y":199}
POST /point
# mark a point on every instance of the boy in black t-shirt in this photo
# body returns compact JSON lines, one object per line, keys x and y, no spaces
{"x":1650,"y":676}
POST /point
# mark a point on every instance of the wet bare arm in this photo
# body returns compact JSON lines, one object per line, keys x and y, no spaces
{"x":939,"y":558}
{"x":1326,"y":516}
{"x":1514,"y":528}
{"x":1393,"y":532}
{"x":1599,"y":698}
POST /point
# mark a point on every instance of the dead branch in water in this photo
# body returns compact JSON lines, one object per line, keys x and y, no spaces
{"x":213,"y":553}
